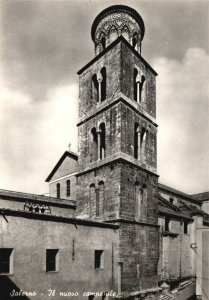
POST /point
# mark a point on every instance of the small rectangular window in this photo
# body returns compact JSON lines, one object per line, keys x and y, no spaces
{"x":6,"y":263}
{"x":51,"y":260}
{"x":68,"y":188}
{"x":185,"y":227}
{"x":58,"y":190}
{"x":167,"y":221}
{"x":99,"y":259}
{"x":171,"y":200}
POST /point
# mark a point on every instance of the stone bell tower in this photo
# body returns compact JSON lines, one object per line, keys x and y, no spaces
{"x":117,"y":179}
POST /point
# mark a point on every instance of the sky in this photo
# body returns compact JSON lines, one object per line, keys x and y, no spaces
{"x":42,"y":46}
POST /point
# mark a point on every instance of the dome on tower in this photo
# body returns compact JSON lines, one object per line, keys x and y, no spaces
{"x":115,"y":21}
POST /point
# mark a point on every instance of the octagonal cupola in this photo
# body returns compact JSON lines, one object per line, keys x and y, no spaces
{"x":115,"y":21}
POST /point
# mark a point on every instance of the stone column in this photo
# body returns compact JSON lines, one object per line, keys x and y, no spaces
{"x":139,"y":143}
{"x":99,"y":144}
{"x":99,"y":79}
{"x":138,"y":87}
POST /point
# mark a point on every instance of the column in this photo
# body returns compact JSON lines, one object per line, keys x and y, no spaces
{"x":138,"y":83}
{"x":139,"y":143}
{"x":99,"y":144}
{"x":99,"y":79}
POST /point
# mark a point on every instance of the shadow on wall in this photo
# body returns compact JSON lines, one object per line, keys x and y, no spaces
{"x":7,"y":289}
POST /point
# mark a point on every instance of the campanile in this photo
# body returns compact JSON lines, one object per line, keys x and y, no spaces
{"x":117,"y":178}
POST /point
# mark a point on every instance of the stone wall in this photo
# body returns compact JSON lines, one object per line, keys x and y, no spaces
{"x":138,"y":253}
{"x":76,"y":246}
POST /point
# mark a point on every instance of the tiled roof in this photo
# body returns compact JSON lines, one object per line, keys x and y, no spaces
{"x":163,"y":202}
{"x":167,"y":208}
{"x":201,"y":196}
{"x":19,"y":196}
{"x":188,"y":207}
{"x":178,"y":193}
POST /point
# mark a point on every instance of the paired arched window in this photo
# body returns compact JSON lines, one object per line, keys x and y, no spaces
{"x":139,"y":82}
{"x":58,"y":190}
{"x":99,"y":83}
{"x":68,"y":188}
{"x":98,"y":142}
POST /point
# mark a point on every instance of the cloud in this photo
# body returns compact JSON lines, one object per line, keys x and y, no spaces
{"x":183,"y":109}
{"x":34,"y":135}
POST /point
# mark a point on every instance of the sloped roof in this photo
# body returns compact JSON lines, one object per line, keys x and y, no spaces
{"x":201,"y":196}
{"x":163,"y":202}
{"x":167,"y":208}
{"x":60,"y":161}
{"x":19,"y":196}
{"x":56,"y":218}
{"x":192,"y":209}
{"x":178,"y":193}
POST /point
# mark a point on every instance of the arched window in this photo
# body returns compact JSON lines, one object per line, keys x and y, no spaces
{"x":36,"y":209}
{"x":141,"y":200}
{"x":92,"y":197}
{"x":95,"y":88}
{"x":97,"y":202}
{"x":125,"y":32}
{"x":42,"y":210}
{"x":102,"y":133}
{"x":68,"y":187}
{"x":113,"y":34}
{"x":103,"y":84}
{"x":141,"y":90}
{"x":101,"y":197}
{"x":138,"y":197}
{"x":134,"y":41}
{"x":58,"y":190}
{"x":135,"y":84}
{"x":136,"y":140}
{"x":143,"y":144}
{"x":94,"y":144}
{"x":103,"y":42}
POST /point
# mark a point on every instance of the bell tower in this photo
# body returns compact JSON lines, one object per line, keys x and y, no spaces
{"x":117,"y":178}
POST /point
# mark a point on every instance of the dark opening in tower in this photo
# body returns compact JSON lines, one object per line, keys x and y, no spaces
{"x":103,"y":84}
{"x":102,"y":141}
